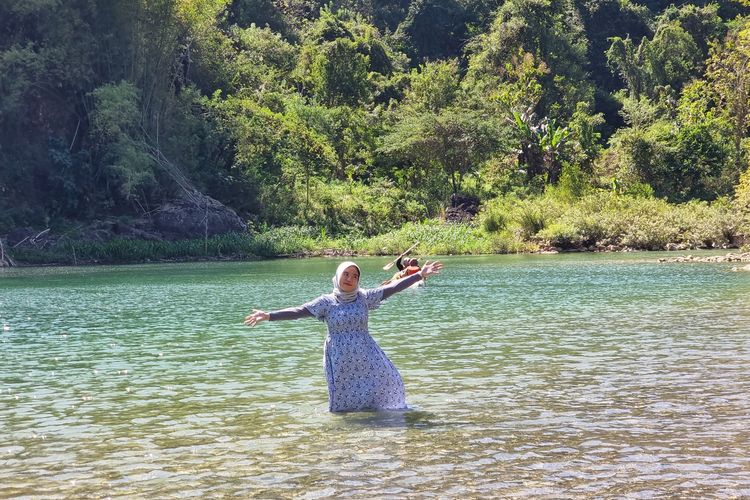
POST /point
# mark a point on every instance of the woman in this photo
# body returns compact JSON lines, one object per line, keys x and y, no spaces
{"x":359,"y":374}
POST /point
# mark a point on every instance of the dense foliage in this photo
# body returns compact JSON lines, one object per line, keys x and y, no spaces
{"x":356,"y":117}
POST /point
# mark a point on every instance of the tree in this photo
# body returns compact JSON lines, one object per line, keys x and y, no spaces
{"x":681,"y":159}
{"x":541,"y":146}
{"x":338,"y":74}
{"x":347,"y":131}
{"x":704,"y":24}
{"x":341,"y":58}
{"x":47,"y":51}
{"x":115,"y":129}
{"x":602,"y":21}
{"x":728,"y":85}
{"x":277,"y":156}
{"x":551,"y":33}
{"x":659,"y":66}
{"x":439,"y":131}
{"x":742,"y":195}
{"x":448,"y":144}
{"x":668,"y":60}
{"x":433,"y":86}
{"x":434,"y":30}
{"x":260,"y":13}
{"x":263,"y":62}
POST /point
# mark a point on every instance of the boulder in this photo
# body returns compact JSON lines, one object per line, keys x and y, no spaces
{"x":140,"y":230}
{"x":194,"y":216}
{"x":730,"y":257}
{"x":463,"y":208}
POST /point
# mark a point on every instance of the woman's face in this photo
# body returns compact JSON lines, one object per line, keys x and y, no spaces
{"x":349,"y":279}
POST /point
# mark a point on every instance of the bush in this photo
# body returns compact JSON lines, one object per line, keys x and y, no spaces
{"x":530,"y":219}
{"x":561,"y":235}
{"x":605,"y":217}
{"x":494,"y":217}
{"x":349,"y":208}
{"x":434,"y":237}
{"x":505,"y":225}
{"x":271,"y":243}
{"x":742,"y":202}
{"x":287,"y":240}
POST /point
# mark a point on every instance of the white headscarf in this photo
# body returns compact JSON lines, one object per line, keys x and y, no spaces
{"x":341,"y":296}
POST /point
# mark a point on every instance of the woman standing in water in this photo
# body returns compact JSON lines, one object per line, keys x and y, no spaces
{"x":359,"y":374}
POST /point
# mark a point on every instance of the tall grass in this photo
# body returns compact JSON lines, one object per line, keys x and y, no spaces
{"x":598,"y":220}
{"x":434,"y":237}
{"x":604,"y":218}
{"x":273,"y":243}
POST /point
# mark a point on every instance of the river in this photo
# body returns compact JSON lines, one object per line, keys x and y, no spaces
{"x":538,"y":376}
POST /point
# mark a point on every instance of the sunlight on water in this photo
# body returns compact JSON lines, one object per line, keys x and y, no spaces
{"x":529,"y":376}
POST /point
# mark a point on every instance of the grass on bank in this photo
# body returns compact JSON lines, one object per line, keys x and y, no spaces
{"x":598,"y":220}
{"x":273,"y":243}
{"x":602,"y":219}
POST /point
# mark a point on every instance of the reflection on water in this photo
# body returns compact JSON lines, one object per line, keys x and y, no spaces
{"x":544,"y":377}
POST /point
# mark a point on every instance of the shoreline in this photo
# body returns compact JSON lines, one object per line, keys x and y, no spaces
{"x":733,"y":255}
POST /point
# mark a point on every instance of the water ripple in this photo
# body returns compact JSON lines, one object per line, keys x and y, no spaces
{"x":559,"y":377}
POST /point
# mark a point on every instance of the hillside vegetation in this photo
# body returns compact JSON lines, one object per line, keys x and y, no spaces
{"x":573,"y":123}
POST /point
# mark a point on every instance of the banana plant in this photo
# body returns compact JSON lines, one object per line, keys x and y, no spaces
{"x":541,"y":144}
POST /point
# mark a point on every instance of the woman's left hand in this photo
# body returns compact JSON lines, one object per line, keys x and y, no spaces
{"x":431,"y":268}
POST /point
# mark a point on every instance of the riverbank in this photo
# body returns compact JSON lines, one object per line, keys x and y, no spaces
{"x":598,"y":221}
{"x":732,"y":258}
{"x":432,"y":237}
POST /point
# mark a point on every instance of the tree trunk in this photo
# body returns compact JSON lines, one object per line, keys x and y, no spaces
{"x":5,"y":260}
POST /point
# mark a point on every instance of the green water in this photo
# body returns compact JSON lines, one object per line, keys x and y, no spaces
{"x":528,"y":376}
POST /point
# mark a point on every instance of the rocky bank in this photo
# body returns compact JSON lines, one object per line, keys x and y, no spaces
{"x":739,"y":258}
{"x":192,"y":216}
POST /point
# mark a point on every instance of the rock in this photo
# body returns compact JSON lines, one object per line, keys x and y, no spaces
{"x":671,"y":247}
{"x":191,"y":217}
{"x":128,"y":232}
{"x":463,"y":208}
{"x":730,"y":257}
{"x":195,"y":216}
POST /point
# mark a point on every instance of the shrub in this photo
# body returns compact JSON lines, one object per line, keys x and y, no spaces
{"x":605,"y":217}
{"x":561,"y":235}
{"x":353,"y":208}
{"x":493,"y":217}
{"x":434,"y":237}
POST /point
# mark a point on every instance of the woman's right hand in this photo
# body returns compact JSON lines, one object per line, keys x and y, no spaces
{"x":431,"y":268}
{"x":256,"y":317}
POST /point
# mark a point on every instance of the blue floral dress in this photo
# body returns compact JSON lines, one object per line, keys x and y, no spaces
{"x":360,"y":376}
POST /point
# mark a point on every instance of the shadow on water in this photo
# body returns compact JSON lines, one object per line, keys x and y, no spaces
{"x":409,"y":418}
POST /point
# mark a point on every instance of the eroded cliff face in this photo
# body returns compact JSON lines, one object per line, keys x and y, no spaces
{"x":192,"y":216}
{"x":195,"y":216}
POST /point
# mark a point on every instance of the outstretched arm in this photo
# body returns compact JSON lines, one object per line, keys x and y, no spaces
{"x":428,"y":269}
{"x":289,"y":313}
